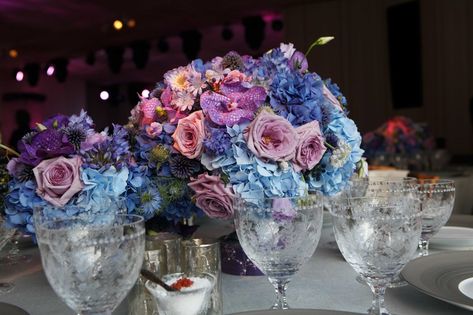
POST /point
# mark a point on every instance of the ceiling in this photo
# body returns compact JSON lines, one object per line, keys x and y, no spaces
{"x":45,"y":29}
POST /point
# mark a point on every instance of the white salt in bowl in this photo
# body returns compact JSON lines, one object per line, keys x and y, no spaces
{"x":193,"y":300}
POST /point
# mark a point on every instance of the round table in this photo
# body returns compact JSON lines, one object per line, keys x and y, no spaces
{"x":325,"y":282}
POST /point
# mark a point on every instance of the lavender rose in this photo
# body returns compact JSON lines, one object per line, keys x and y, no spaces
{"x":270,"y":136}
{"x":310,"y":147}
{"x":58,"y":179}
{"x":212,"y":196}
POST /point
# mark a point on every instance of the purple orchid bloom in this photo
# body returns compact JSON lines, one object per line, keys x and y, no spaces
{"x":299,"y":62}
{"x":234,"y":104}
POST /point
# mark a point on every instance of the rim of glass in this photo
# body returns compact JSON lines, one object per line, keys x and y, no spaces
{"x":93,"y":227}
{"x":343,"y":204}
{"x":386,"y":179}
{"x":309,"y":195}
{"x":438,"y":181}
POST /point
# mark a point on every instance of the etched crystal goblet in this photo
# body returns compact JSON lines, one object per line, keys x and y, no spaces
{"x":92,"y":261}
{"x":382,"y":186}
{"x":279,"y":235}
{"x":6,"y":233}
{"x":377,"y":236}
{"x":437,"y":198}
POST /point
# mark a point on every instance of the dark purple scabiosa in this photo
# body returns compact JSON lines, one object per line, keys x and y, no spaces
{"x":232,"y":61}
{"x":182,"y":167}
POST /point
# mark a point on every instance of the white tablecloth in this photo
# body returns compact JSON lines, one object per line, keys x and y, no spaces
{"x":326,"y":282}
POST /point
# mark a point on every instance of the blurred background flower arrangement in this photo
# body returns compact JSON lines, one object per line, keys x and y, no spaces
{"x":399,"y":142}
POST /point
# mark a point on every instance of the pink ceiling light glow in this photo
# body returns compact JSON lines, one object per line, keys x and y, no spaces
{"x":145,"y":93}
{"x":104,"y":95}
{"x":50,"y":71}
{"x":19,"y":76}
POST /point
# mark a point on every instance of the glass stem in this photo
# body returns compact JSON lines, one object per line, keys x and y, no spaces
{"x":424,"y":247}
{"x":95,"y":313}
{"x":378,"y":307}
{"x":280,"y":286}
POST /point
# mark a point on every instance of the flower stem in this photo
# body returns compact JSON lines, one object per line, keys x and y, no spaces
{"x":319,"y":42}
{"x":4,"y":147}
{"x":329,"y":145}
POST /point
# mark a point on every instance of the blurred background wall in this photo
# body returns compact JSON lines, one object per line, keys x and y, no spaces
{"x":390,"y":57}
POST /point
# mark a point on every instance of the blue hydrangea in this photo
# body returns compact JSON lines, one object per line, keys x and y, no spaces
{"x":249,"y":174}
{"x":19,"y":205}
{"x":101,"y":189}
{"x":297,"y":97}
{"x":263,"y":70}
{"x":217,"y":141}
{"x":335,"y":90}
{"x":331,"y":179}
{"x":183,"y":208}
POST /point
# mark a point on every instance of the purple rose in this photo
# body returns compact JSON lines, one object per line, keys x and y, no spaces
{"x":48,"y":143}
{"x":310,"y":147}
{"x":270,"y":136}
{"x":58,"y":179}
{"x":212,"y":196}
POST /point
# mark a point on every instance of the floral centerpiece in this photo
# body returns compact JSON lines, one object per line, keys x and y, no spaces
{"x":399,"y":136}
{"x":238,"y":125}
{"x":232,"y":125}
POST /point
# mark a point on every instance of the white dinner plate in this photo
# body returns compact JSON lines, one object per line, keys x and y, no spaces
{"x":298,"y":312}
{"x":454,"y":238}
{"x":439,"y":275}
{"x":11,"y":309}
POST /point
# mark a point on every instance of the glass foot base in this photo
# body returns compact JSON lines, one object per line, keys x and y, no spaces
{"x":15,"y":259}
{"x":6,"y":287}
{"x":396,"y":283}
{"x":10,"y":309}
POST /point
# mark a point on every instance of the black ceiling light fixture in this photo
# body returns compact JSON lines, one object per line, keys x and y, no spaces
{"x":254,"y":31}
{"x":140,"y":49}
{"x":60,"y":69}
{"x":191,"y":41}
{"x":227,"y":33}
{"x":90,"y":58}
{"x":115,"y":58}
{"x":163,"y":45}
{"x":277,"y":25}
{"x":32,"y":71}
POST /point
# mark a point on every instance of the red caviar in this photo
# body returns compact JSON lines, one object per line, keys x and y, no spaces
{"x":182,"y":283}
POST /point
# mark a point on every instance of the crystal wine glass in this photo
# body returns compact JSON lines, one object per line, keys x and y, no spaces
{"x":437,"y":199}
{"x":92,"y":261}
{"x":382,"y":186}
{"x":6,"y":233}
{"x":377,"y":236}
{"x":279,"y":235}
